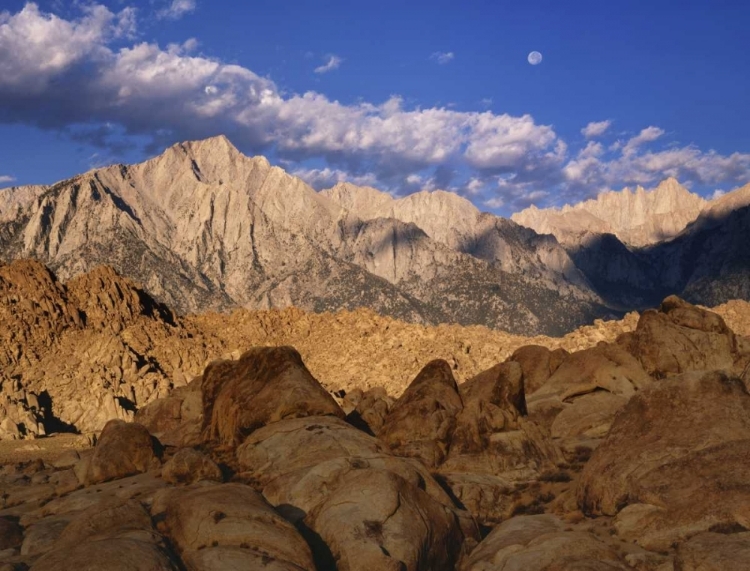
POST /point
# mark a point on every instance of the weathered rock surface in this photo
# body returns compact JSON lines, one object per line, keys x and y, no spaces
{"x":177,"y":419}
{"x":681,"y":337}
{"x":297,"y":463}
{"x":541,"y":543}
{"x":674,"y":462}
{"x":265,"y":385}
{"x":493,"y":447}
{"x":538,"y":363}
{"x":114,"y":535}
{"x":714,"y":552}
{"x":233,"y":525}
{"x":378,"y":520}
{"x":604,"y":368}
{"x":123,"y":449}
{"x":420,"y":423}
{"x":189,"y":465}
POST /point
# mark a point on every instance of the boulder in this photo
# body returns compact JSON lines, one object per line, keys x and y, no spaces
{"x":297,"y":463}
{"x":675,"y":461}
{"x":123,"y":449}
{"x":493,"y":447}
{"x":540,"y":543}
{"x":604,"y":368}
{"x":378,"y":520}
{"x":265,"y":385}
{"x":114,"y":534}
{"x":189,"y":465}
{"x":371,"y":410}
{"x":11,"y":534}
{"x":233,"y":523}
{"x":120,"y":554}
{"x":537,"y":364}
{"x":420,"y":423}
{"x":176,"y":420}
{"x":714,"y":552}
{"x":679,"y":338}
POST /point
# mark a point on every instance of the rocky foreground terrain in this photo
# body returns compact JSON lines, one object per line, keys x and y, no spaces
{"x":623,"y":446}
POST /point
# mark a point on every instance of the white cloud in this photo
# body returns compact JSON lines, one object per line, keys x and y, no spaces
{"x":334,"y":62}
{"x":327,"y":177}
{"x":5,"y":179}
{"x":60,"y":74}
{"x":494,"y":203}
{"x":645,"y":136}
{"x":596,"y":129}
{"x":177,"y":9}
{"x":718,"y":193}
{"x":443,"y":57}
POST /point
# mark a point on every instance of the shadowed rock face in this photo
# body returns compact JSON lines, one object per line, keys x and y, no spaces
{"x":671,"y":464}
{"x":420,"y":423}
{"x":265,"y":385}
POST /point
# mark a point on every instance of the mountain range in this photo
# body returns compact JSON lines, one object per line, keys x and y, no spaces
{"x":204,"y":227}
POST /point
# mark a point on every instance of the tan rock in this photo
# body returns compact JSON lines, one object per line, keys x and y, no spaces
{"x":420,"y":423}
{"x":540,"y":543}
{"x":266,"y":385}
{"x":189,"y":465}
{"x":714,"y":552}
{"x":123,"y":449}
{"x":678,"y":450}
{"x":377,"y":520}
{"x":538,"y":364}
{"x":233,"y":516}
{"x":680,"y":338}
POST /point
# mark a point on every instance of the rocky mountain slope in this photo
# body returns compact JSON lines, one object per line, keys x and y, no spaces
{"x":204,"y":227}
{"x":705,"y":260}
{"x":638,"y":218}
{"x":630,"y":454}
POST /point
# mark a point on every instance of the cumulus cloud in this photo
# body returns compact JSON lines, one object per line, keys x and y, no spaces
{"x":177,"y":9}
{"x":6,"y":178}
{"x":320,"y":178}
{"x":442,"y":57}
{"x":334,"y":62}
{"x":83,"y":75}
{"x":645,"y":136}
{"x":596,"y":129}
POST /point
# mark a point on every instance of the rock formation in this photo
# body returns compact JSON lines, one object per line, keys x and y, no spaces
{"x":628,"y":453}
{"x":638,"y":218}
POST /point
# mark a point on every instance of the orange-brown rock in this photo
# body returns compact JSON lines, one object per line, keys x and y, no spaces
{"x":215,"y":525}
{"x":714,"y":552}
{"x":378,"y":520}
{"x":265,"y":385}
{"x":543,"y":543}
{"x":680,"y":337}
{"x":177,"y":419}
{"x":537,"y":363}
{"x":675,"y":461}
{"x":123,"y":449}
{"x":420,"y":423}
{"x":189,"y":465}
{"x":494,"y":447}
{"x":297,"y":463}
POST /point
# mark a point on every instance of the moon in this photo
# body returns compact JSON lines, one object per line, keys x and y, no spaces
{"x":535,"y":58}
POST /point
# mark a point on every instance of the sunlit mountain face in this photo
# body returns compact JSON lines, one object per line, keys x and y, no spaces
{"x":507,"y":106}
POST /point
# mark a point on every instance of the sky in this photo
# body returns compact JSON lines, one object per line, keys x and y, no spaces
{"x":402,"y":96}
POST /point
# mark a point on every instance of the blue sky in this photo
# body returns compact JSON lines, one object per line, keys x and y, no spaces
{"x":398,"y":95}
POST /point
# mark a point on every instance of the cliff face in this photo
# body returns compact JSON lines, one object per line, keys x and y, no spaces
{"x":204,"y":227}
{"x":638,"y":218}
